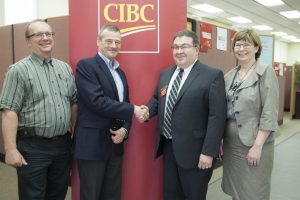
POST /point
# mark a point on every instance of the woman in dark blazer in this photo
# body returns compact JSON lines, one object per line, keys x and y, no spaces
{"x":252,"y":110}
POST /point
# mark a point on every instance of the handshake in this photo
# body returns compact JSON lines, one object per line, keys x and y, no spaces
{"x":141,"y":113}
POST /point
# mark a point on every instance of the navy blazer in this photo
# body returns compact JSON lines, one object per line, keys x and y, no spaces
{"x":198,"y":117}
{"x":98,"y":106}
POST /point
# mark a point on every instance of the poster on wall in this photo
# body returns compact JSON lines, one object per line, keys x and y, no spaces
{"x":232,"y":34}
{"x":222,"y":39}
{"x":205,"y":36}
{"x":267,"y":53}
{"x":280,"y":68}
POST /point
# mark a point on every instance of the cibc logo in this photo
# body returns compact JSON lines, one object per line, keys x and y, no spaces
{"x":138,"y":21}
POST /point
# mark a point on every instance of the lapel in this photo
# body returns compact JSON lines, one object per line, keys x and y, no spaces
{"x":102,"y":66}
{"x":165,"y":82}
{"x":192,"y":75}
{"x":249,"y":81}
{"x":253,"y":76}
{"x":229,"y":77}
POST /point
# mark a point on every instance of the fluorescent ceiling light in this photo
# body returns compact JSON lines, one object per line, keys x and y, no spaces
{"x":207,"y":8}
{"x":291,"y":14}
{"x":262,"y":27}
{"x":279,"y":33}
{"x":270,"y":3}
{"x":241,"y":20}
{"x":296,"y":40}
{"x":289,"y":37}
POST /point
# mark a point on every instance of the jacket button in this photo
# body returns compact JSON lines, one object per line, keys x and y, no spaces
{"x":236,"y":98}
{"x":240,"y":126}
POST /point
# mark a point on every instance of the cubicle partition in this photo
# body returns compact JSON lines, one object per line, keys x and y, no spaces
{"x":6,"y":59}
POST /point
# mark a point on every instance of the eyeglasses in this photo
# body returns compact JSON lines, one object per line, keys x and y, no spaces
{"x":40,"y":35}
{"x":182,"y":47}
{"x":244,"y":45}
{"x":110,"y":42}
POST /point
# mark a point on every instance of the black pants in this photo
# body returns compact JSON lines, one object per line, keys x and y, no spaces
{"x":100,"y":180}
{"x":181,"y":183}
{"x":46,"y":176}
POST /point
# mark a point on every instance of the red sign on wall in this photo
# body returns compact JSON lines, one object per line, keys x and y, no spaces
{"x":136,"y":19}
{"x":148,"y":27}
{"x":280,"y":69}
{"x":205,"y":36}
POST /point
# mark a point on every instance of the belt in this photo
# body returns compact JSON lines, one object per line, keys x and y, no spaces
{"x":24,"y":134}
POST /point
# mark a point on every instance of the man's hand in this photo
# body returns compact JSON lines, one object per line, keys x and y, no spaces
{"x":205,"y":162}
{"x":118,"y":135}
{"x":141,"y":113}
{"x":14,"y":158}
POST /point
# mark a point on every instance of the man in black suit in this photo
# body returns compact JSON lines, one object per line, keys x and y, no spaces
{"x":191,"y":106}
{"x":104,"y":119}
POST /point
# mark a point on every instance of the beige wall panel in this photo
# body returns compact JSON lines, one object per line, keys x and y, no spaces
{"x":61,"y":28}
{"x":6,"y":59}
{"x":20,"y":45}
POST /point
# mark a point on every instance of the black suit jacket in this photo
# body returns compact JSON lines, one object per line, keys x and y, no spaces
{"x":98,"y":106}
{"x":198,"y":117}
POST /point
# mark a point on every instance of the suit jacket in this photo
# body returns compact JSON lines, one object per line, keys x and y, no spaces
{"x":98,"y":106}
{"x":256,"y":102}
{"x":198,"y":117}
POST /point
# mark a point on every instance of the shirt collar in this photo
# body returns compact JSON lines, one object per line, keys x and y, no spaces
{"x":188,"y":69}
{"x":40,"y":59}
{"x":107,"y":61}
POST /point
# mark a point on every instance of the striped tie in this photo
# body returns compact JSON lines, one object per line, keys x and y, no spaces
{"x":170,"y":105}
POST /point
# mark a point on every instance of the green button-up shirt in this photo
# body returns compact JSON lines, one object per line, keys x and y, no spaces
{"x":41,"y":93}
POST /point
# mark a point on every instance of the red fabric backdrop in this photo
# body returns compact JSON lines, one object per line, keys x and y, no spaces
{"x":148,"y":27}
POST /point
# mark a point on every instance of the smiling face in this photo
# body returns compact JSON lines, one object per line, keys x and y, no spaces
{"x":244,"y":51}
{"x":184,"y":51}
{"x":109,"y":44}
{"x":40,"y":41}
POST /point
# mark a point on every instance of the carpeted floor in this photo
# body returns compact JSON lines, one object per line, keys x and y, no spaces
{"x":285,"y":178}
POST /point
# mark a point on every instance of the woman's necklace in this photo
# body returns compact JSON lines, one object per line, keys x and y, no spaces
{"x":245,"y":74}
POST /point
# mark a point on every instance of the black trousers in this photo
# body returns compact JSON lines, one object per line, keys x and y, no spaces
{"x":181,"y":183}
{"x":46,"y":176}
{"x":100,"y":180}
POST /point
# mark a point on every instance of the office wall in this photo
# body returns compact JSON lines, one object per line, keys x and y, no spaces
{"x":293,"y":53}
{"x":223,"y":60}
{"x":2,"y":19}
{"x":52,"y":8}
{"x":45,"y":9}
{"x":280,"y":51}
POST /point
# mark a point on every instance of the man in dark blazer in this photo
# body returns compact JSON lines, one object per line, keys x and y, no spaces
{"x":190,"y":131}
{"x":104,"y":119}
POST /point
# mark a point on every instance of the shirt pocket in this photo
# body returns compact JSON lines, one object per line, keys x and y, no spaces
{"x":67,"y":87}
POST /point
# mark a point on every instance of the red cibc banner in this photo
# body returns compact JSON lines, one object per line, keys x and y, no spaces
{"x":147,"y":28}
